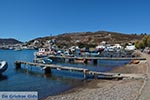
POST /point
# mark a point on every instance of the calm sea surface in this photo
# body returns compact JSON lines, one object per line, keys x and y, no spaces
{"x":35,"y":80}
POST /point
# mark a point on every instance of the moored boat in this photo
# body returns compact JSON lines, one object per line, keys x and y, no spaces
{"x":43,"y":60}
{"x":3,"y":66}
{"x":43,"y":52}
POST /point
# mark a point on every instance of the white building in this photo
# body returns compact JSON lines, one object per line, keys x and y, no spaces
{"x":130,"y":47}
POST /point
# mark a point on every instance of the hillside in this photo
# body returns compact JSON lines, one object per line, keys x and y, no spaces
{"x":90,"y":38}
{"x":9,"y":41}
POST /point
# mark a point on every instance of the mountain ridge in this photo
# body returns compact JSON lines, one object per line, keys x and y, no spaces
{"x":90,"y":39}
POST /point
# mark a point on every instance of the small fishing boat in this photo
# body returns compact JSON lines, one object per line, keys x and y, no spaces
{"x":3,"y":66}
{"x":43,"y":60}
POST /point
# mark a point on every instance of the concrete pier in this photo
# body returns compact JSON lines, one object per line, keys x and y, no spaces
{"x":94,"y":59}
{"x":47,"y":68}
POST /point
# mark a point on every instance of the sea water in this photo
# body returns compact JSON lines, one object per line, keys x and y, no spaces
{"x":34,"y":79}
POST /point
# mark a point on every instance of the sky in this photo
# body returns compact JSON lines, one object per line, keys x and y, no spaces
{"x":25,"y":20}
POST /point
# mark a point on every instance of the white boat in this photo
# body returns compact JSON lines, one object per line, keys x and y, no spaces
{"x":43,"y":60}
{"x":3,"y":66}
{"x":43,"y":52}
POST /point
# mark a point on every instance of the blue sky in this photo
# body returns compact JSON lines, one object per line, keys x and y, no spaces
{"x":28,"y":19}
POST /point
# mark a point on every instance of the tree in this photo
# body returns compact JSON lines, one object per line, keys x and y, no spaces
{"x":145,"y":42}
{"x":141,"y":45}
{"x":148,"y":41}
{"x":144,"y":39}
{"x":137,"y":44}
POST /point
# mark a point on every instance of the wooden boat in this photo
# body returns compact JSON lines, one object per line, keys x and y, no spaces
{"x":79,"y":60}
{"x":3,"y":66}
{"x":135,"y":62}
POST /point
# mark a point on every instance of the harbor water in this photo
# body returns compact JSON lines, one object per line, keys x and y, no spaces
{"x":35,"y":80}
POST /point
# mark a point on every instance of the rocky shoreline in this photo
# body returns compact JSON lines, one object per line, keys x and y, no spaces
{"x":126,"y":89}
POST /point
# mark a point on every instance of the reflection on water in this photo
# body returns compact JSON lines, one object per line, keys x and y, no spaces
{"x":46,"y":76}
{"x":3,"y":77}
